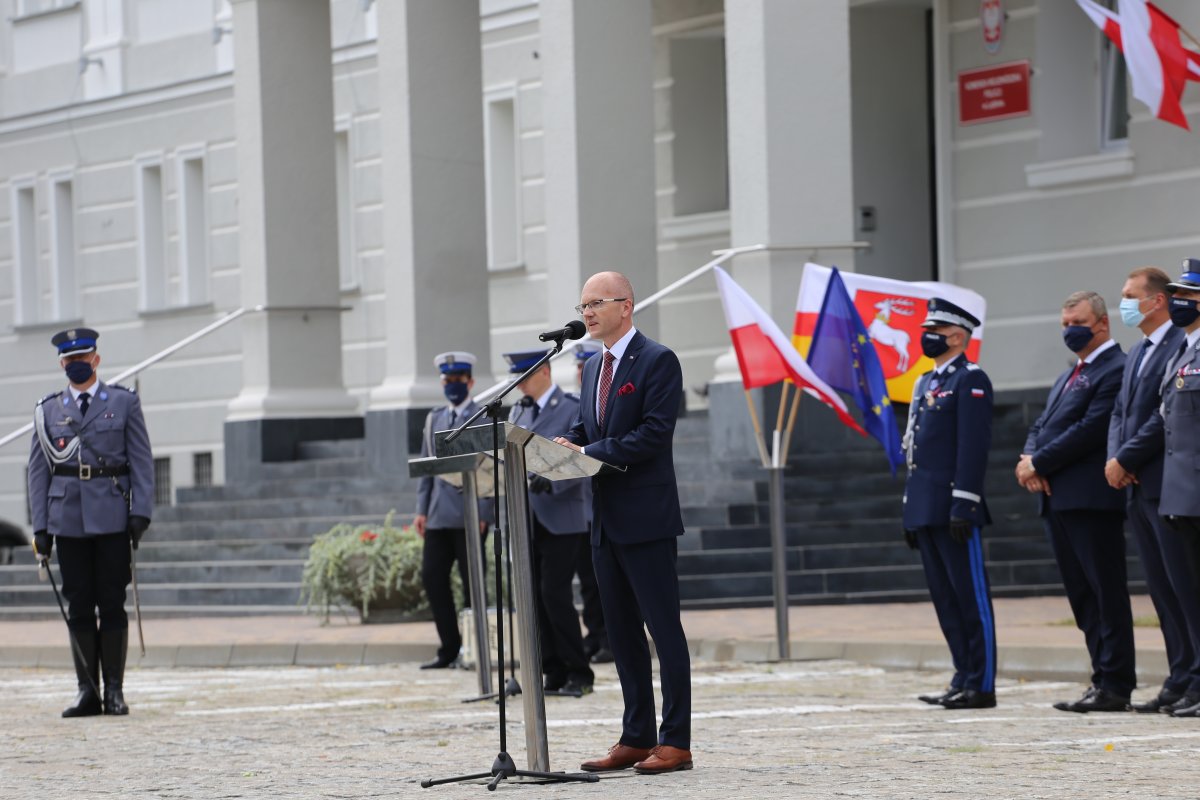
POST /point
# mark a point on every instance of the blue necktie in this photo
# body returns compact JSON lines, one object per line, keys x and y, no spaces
{"x":1137,"y":363}
{"x":84,"y":400}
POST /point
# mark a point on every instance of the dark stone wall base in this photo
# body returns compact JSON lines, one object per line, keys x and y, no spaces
{"x":251,"y":443}
{"x":393,"y":437}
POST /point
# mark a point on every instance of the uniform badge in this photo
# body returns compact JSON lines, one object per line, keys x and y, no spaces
{"x":929,"y":401}
{"x":1179,"y":382}
{"x":62,"y":443}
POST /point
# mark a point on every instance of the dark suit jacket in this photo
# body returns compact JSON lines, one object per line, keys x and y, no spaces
{"x":642,"y":503}
{"x":1068,"y":441}
{"x":1181,"y":421}
{"x":1135,"y":435}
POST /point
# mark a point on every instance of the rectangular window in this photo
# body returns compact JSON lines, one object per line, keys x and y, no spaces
{"x":64,"y":289}
{"x":699,"y":145}
{"x":193,"y":229}
{"x":1114,"y":93}
{"x":202,"y":469}
{"x":347,"y":262}
{"x":502,"y":158}
{"x":152,"y":239}
{"x":26,"y":289}
{"x":162,"y":482}
{"x":27,"y":8}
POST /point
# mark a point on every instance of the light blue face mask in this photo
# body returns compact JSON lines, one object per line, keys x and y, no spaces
{"x":1131,"y":313}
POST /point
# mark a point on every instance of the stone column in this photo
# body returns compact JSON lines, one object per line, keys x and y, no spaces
{"x":287,"y":230}
{"x":790,"y":165}
{"x":435,"y":229}
{"x":598,"y":107}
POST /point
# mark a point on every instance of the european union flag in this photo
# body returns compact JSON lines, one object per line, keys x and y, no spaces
{"x":844,"y":356}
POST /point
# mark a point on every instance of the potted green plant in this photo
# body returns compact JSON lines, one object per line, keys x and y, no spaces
{"x":375,"y":568}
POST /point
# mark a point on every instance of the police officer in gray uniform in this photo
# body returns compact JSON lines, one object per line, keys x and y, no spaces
{"x":558,"y":531}
{"x":440,"y":510}
{"x":948,"y":438}
{"x":91,"y":491}
{"x":1180,"y":412}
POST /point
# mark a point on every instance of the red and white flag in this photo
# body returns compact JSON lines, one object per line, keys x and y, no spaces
{"x":1159,"y":65}
{"x":765,"y":355}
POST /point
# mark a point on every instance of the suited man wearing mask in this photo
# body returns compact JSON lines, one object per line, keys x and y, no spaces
{"x":1180,"y":418}
{"x":439,"y":518}
{"x":1063,"y":463}
{"x":558,"y":532}
{"x":1135,"y":465}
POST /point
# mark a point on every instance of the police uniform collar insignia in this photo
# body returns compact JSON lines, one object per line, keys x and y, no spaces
{"x":103,"y":395}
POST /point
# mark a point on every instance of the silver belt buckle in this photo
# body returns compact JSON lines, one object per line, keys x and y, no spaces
{"x":85,"y":472}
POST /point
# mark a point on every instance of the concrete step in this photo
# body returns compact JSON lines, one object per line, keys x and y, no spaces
{"x":174,"y":573}
{"x":277,"y":528}
{"x":401,"y":488}
{"x":328,"y":505}
{"x":268,"y":593}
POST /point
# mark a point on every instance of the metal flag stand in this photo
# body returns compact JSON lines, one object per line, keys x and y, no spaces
{"x":775,"y":462}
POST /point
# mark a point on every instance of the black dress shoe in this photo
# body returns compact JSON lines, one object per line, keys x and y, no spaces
{"x":441,"y":663}
{"x":1187,"y":711}
{"x":936,"y":699}
{"x":575,"y":688}
{"x":1101,"y":700}
{"x":1069,"y":705}
{"x":602,"y":656}
{"x":968,"y":699}
{"x":1164,"y":698}
{"x":1188,"y":700}
{"x":553,"y":682}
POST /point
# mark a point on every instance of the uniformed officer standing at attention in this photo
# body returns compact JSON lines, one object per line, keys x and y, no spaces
{"x":559,"y":530}
{"x":1063,"y":463}
{"x":91,"y":491}
{"x":595,"y":641}
{"x":947,"y":442}
{"x":439,"y":517}
{"x":1180,"y":413}
{"x":1135,"y":465}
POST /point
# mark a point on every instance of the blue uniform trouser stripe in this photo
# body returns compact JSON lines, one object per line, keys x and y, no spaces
{"x":983,"y":601}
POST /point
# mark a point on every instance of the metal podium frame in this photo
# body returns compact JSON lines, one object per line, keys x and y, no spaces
{"x":525,"y":451}
{"x":473,"y":474}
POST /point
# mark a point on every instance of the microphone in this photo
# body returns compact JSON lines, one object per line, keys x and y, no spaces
{"x":572,"y":330}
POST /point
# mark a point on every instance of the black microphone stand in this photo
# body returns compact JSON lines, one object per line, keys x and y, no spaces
{"x":503,"y":767}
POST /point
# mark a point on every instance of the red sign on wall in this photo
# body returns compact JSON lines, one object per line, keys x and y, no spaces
{"x":988,"y":94}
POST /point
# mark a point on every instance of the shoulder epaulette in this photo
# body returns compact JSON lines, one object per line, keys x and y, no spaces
{"x":972,"y":366}
{"x":119,"y":386}
{"x":572,"y":395}
{"x":49,"y":396}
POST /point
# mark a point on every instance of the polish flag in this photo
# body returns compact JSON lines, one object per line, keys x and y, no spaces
{"x":1159,"y":65}
{"x":764,"y":354}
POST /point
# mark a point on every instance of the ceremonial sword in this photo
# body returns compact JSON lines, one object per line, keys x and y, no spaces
{"x":44,"y":569}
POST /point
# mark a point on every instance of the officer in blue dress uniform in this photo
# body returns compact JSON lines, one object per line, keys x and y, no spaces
{"x":595,"y":641}
{"x":947,"y":441}
{"x":439,"y":516}
{"x":91,"y":491}
{"x":558,"y":532}
{"x":1180,"y":419}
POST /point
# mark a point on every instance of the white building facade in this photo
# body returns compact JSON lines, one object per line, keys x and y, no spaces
{"x":377,"y":181}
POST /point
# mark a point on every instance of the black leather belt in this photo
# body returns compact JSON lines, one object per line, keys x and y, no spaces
{"x":86,"y":472}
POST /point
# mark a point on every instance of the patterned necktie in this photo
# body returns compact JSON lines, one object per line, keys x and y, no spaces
{"x":84,"y":399}
{"x":606,"y":376}
{"x":1074,"y":375}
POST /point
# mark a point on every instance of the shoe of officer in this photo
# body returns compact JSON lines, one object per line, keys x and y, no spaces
{"x":1187,"y":700}
{"x":1067,"y":705}
{"x":936,"y":699}
{"x":87,"y":674}
{"x":1163,"y":699}
{"x":969,"y":699}
{"x":1099,"y":700}
{"x":554,"y":681}
{"x":1188,"y":711}
{"x":602,"y":656}
{"x":441,"y":663}
{"x":113,"y":647}
{"x":576,"y":687}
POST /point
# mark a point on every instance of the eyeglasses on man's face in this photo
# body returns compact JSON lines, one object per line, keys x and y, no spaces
{"x":595,"y":305}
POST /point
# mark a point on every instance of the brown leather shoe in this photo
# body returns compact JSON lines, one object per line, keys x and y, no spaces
{"x":620,"y":756}
{"x":664,"y":758}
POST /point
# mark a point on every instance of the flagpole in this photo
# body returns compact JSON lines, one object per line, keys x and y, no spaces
{"x":782,"y":406}
{"x":791,"y":426}
{"x":758,"y":434}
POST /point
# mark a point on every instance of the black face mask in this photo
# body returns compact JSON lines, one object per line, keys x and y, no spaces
{"x":934,"y":344}
{"x":78,"y":371}
{"x":1183,"y":312}
{"x":1076,"y":337}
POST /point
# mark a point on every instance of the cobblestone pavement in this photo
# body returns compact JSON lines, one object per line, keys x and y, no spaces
{"x":808,"y":729}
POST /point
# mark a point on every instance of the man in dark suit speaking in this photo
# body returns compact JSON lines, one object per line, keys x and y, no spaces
{"x":629,"y":401}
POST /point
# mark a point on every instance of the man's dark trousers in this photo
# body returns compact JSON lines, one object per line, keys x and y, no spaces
{"x":1089,"y":547}
{"x":635,"y":583}
{"x":444,"y":546}
{"x":958,"y":584}
{"x":95,"y":571}
{"x":1172,"y":589}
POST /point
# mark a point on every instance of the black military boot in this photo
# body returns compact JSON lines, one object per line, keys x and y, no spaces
{"x":113,"y":645}
{"x":87,"y":673}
